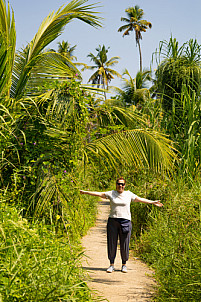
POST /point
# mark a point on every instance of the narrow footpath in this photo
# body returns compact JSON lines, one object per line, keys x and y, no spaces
{"x":136,"y":285}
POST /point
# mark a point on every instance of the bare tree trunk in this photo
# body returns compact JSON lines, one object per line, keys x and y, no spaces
{"x":104,"y":91}
{"x":140,"y":53}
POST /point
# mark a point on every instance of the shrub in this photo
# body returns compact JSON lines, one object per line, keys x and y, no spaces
{"x":36,"y":265}
{"x":171,"y":243}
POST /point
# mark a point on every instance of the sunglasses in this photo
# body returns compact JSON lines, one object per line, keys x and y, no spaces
{"x":120,"y":184}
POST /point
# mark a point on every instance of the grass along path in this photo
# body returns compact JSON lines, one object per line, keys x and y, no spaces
{"x":136,"y":285}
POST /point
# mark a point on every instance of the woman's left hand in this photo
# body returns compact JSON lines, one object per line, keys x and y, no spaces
{"x":158,"y":203}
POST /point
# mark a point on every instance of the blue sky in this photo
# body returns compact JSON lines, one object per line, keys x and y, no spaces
{"x":181,"y":18}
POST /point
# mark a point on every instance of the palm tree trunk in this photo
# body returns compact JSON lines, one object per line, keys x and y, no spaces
{"x":104,"y":91}
{"x":140,"y":53}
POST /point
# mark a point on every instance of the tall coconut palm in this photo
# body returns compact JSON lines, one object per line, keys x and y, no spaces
{"x":103,"y":73}
{"x":135,"y":23}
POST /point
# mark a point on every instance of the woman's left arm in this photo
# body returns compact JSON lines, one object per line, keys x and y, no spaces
{"x":144,"y":200}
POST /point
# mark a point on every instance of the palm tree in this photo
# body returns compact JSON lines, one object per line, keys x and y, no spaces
{"x":176,"y":66}
{"x":177,"y":85}
{"x":35,"y":65}
{"x":65,"y":49}
{"x":103,"y":74}
{"x":135,"y":90}
{"x":29,"y":71}
{"x":60,"y":112}
{"x":134,"y":22}
{"x":68,"y":125}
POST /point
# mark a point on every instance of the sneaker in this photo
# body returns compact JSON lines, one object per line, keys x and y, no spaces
{"x":124,"y":269}
{"x":110,"y":269}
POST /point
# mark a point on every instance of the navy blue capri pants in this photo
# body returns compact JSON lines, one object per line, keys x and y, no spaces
{"x":115,"y":231}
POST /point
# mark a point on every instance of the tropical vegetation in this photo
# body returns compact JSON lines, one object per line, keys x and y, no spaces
{"x":66,"y":49}
{"x":176,"y":66}
{"x":56,"y":135}
{"x":134,"y":22}
{"x":135,"y":91}
{"x":103,"y":73}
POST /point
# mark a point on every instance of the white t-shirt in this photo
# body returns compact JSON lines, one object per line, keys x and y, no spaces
{"x":120,"y":203}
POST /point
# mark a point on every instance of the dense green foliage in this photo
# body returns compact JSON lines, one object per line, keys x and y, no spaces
{"x":176,"y":66}
{"x":134,"y":91}
{"x":170,"y":238}
{"x":58,"y":136}
{"x":183,"y":124}
{"x":35,"y":264}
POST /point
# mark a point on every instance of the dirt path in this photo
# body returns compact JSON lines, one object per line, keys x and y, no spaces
{"x":136,"y":285}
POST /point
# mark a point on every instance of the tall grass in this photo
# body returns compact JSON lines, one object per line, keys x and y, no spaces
{"x":35,"y":264}
{"x":170,"y":238}
{"x":183,"y":124}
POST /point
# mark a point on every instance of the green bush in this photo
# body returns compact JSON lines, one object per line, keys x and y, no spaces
{"x":35,"y":265}
{"x":148,"y":185}
{"x":172,"y":240}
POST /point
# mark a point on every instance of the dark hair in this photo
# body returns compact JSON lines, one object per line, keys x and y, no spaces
{"x":121,"y":178}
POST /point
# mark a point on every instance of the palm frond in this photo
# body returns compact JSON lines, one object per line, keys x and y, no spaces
{"x":112,"y":61}
{"x":95,"y":59}
{"x":7,"y":47}
{"x":113,"y":72}
{"x":49,"y":30}
{"x":124,"y":27}
{"x":95,"y":78}
{"x":50,"y":66}
{"x":137,"y":148}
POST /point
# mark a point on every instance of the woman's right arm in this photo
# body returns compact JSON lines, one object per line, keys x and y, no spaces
{"x":99,"y":194}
